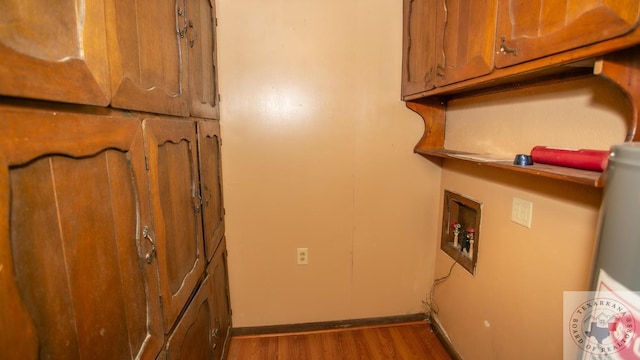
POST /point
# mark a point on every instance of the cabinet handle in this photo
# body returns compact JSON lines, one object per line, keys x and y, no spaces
{"x":197,"y":203}
{"x":194,"y":35}
{"x":505,"y":48}
{"x":205,"y":190}
{"x":214,"y":337}
{"x":146,"y":235}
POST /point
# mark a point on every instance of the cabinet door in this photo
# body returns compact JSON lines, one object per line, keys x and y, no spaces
{"x":175,"y":202}
{"x":418,"y":46}
{"x":203,"y":76}
{"x":464,"y":43}
{"x":75,"y":70}
{"x":203,"y":330}
{"x":218,"y":270}
{"x":211,"y":184}
{"x":147,"y":55}
{"x":192,"y":337}
{"x":535,"y":28}
{"x":74,"y":282}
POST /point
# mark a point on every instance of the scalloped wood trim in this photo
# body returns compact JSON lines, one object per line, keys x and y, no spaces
{"x":623,"y":70}
{"x":433,"y":113}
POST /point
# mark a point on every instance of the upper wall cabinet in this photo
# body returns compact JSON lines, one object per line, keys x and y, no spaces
{"x":465,"y":33}
{"x":147,"y":49}
{"x":446,"y":41}
{"x":535,"y":28}
{"x":203,"y":77}
{"x":418,"y":46}
{"x":75,"y":70}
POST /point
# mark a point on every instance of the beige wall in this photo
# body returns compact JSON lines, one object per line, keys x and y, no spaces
{"x":317,"y":153}
{"x":512,"y":307}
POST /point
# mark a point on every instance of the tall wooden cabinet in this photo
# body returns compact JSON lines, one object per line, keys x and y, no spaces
{"x":112,"y":238}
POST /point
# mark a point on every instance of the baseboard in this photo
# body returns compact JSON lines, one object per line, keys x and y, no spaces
{"x":443,"y":337}
{"x":326,"y":325}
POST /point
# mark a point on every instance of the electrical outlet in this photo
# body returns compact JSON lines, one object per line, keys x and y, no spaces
{"x":302,"y":256}
{"x":521,"y":212}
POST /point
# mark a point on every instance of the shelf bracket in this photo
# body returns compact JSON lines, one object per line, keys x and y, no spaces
{"x":432,"y":111}
{"x":623,"y":69}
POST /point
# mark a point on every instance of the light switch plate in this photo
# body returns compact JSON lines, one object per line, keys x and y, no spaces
{"x":521,"y":212}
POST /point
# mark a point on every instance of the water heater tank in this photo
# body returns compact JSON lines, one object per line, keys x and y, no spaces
{"x":618,"y":252}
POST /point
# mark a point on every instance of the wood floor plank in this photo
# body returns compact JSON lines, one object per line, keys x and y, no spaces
{"x":406,"y":341}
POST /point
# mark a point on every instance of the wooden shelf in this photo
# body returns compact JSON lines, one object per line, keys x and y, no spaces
{"x":621,"y":68}
{"x":582,"y":177}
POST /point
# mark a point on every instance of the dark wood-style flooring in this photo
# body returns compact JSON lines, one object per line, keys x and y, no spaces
{"x":404,"y":341}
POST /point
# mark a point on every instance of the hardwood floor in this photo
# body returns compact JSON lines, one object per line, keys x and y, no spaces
{"x":404,"y":341}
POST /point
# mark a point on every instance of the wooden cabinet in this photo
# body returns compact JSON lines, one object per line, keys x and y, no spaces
{"x":537,"y":42}
{"x":418,"y":46}
{"x":203,"y":67}
{"x":218,"y":271}
{"x":148,"y":55}
{"x":532,"y":29}
{"x":74,"y":277}
{"x":102,"y":246}
{"x":464,"y":38}
{"x":75,"y":70}
{"x":203,"y":331}
{"x":171,"y":147}
{"x":157,"y":57}
{"x":162,"y":56}
{"x":210,"y":184}
{"x":446,"y":41}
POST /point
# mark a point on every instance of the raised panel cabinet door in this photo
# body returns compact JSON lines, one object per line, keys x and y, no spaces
{"x":464,"y":43}
{"x":147,"y":55}
{"x":74,"y":280}
{"x":535,"y":28}
{"x":171,"y":150}
{"x":418,"y":46}
{"x":54,"y":51}
{"x":203,"y":70}
{"x":202,"y":331}
{"x":218,"y":270}
{"x":211,"y":184}
{"x":192,"y":338}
